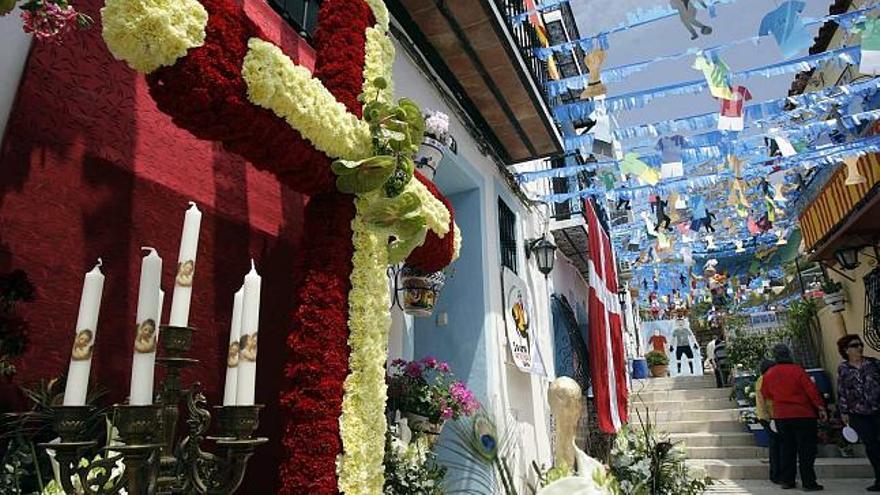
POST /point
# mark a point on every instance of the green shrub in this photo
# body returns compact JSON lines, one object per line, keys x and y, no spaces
{"x":657,"y":358}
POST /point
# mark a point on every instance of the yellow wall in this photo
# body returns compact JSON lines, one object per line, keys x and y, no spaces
{"x":853,"y":316}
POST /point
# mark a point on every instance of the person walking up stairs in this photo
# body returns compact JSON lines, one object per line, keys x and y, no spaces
{"x":705,"y":419}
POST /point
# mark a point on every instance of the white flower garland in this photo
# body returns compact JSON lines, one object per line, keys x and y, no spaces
{"x":380,"y":12}
{"x":148,"y":34}
{"x":378,"y":63}
{"x":456,"y":243}
{"x":435,"y":212}
{"x":275,"y":82}
{"x":362,"y":424}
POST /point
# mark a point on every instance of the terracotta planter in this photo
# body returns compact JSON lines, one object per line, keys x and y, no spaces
{"x":659,"y":370}
{"x":836,"y":301}
{"x":429,"y":156}
{"x":421,"y":291}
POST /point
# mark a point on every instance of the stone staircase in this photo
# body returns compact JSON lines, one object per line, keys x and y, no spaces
{"x":706,"y":421}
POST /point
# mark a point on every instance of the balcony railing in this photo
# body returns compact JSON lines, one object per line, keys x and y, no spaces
{"x":525,"y":38}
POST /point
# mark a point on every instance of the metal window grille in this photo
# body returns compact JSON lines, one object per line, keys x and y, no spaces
{"x":507,"y":232}
{"x":526,"y":38}
{"x":872,"y":308}
{"x":301,"y":14}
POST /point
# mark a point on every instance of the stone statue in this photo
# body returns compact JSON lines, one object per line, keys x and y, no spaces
{"x":564,"y":397}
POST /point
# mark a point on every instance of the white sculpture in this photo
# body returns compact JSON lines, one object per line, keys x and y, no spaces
{"x":564,"y":397}
{"x":589,"y":478}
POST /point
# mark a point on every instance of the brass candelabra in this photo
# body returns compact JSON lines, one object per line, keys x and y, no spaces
{"x":157,"y":459}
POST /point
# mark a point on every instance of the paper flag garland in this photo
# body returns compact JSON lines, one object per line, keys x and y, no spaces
{"x":717,"y":75}
{"x":631,"y":165}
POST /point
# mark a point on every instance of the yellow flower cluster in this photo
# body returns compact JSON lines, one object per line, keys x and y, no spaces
{"x":380,"y":12}
{"x":148,"y":34}
{"x":378,"y":63}
{"x":456,"y":243}
{"x":433,"y":210}
{"x":362,"y":424}
{"x":289,"y":90}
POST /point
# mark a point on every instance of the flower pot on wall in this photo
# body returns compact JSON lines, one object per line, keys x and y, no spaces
{"x":836,"y":301}
{"x":659,"y":370}
{"x":428,"y":157}
{"x":420,"y":291}
{"x":422,"y":425}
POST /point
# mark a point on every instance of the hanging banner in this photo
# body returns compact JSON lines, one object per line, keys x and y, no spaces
{"x":518,"y":320}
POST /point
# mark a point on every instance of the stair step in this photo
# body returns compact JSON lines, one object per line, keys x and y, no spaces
{"x":674,"y":383}
{"x":720,"y":439}
{"x":681,"y":395}
{"x":840,"y":486}
{"x":700,"y":426}
{"x":676,"y":405}
{"x":758,"y":469}
{"x":686,"y":415}
{"x":738,"y":452}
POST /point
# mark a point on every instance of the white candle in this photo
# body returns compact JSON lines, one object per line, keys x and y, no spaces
{"x":186,"y":267}
{"x":250,"y":324}
{"x":147,"y":325}
{"x":230,"y":391}
{"x":84,"y":338}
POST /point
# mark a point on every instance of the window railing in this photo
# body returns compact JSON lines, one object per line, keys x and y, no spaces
{"x":525,"y":37}
{"x":301,"y":14}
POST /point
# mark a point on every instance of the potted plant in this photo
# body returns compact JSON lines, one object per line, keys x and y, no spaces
{"x":833,"y":295}
{"x":658,"y":361}
{"x":748,"y":417}
{"x":420,"y":290}
{"x":428,"y":395}
{"x":434,"y":144}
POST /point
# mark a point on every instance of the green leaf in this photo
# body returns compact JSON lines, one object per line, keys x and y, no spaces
{"x":409,"y":234}
{"x":385,"y":212}
{"x":371,"y":174}
{"x":380,"y":83}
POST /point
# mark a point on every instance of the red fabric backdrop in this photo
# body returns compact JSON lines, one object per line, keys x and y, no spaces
{"x":89,"y":167}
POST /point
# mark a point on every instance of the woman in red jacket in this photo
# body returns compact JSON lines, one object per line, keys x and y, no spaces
{"x":796,"y":403}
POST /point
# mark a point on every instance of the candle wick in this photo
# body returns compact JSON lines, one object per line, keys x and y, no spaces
{"x":100,"y":263}
{"x":192,"y":204}
{"x":148,"y":248}
{"x":253,"y":266}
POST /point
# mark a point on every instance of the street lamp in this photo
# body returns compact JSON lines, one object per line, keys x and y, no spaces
{"x":545,"y":254}
{"x":848,"y":257}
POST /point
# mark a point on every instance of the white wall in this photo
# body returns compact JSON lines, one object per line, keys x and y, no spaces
{"x":14,"y":47}
{"x":511,"y":393}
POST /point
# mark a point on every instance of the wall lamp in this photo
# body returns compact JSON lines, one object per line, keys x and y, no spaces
{"x":545,"y":253}
{"x":848,"y":257}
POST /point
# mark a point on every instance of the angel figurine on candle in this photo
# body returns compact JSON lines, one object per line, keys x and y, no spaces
{"x":82,"y":345}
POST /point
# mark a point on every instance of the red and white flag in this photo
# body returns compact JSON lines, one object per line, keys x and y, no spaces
{"x":607,"y":361}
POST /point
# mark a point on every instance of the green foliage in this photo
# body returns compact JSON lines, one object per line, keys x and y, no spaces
{"x":397,"y":131}
{"x":411,"y":468}
{"x":26,"y":468}
{"x":14,"y":289}
{"x":657,"y":358}
{"x":801,"y":316}
{"x":830,"y":286}
{"x":549,"y":475}
{"x":645,"y":462}
{"x":749,"y":349}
